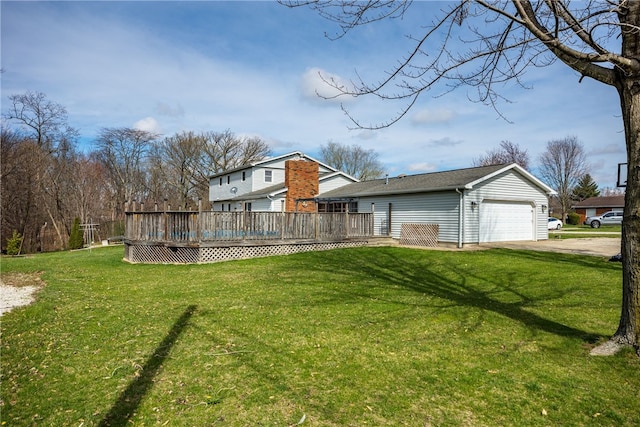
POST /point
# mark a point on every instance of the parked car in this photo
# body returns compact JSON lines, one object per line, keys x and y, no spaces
{"x":554,"y":224}
{"x":607,"y":218}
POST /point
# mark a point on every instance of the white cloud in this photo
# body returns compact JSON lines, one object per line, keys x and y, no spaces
{"x":321,"y":86}
{"x":424,"y":117}
{"x":148,"y":124}
{"x":166,"y":109}
{"x":608,"y":149}
{"x":422,"y":167}
{"x":444,"y":142}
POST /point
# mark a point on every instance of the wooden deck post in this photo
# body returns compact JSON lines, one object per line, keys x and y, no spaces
{"x":346,"y":220}
{"x":199,"y":221}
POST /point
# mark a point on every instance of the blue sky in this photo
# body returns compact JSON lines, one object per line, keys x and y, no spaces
{"x":252,"y":68}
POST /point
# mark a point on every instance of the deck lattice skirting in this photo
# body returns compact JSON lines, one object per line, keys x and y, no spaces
{"x":161,"y":254}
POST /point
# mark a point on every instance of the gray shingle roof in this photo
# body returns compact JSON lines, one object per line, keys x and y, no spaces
{"x":427,"y":182}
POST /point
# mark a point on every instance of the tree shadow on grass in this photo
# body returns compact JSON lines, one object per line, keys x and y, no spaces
{"x":444,"y":279}
{"x":130,"y":399}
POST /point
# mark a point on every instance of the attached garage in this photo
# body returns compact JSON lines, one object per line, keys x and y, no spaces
{"x":466,"y":206}
{"x":506,"y":221}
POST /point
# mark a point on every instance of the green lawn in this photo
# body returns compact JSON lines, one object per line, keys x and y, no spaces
{"x":585,"y":231}
{"x":369,"y":336}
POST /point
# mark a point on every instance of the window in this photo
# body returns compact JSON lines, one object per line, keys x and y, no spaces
{"x":247,"y":207}
{"x":244,"y":176}
{"x":228,"y":179}
{"x":220,"y":181}
{"x":268,"y":176}
{"x":337,"y":207}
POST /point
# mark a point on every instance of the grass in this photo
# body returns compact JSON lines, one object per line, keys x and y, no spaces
{"x":585,"y":231}
{"x":368,"y":336}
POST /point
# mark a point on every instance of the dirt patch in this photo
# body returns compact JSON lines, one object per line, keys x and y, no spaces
{"x":18,"y":289}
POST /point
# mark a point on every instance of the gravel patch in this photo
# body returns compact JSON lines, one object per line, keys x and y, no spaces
{"x":12,"y":297}
{"x":17,"y":290}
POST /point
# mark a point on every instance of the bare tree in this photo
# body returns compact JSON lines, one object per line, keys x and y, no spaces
{"x":180,"y":161}
{"x":123,"y":152}
{"x":91,"y":198}
{"x":353,"y":160}
{"x":501,"y":40}
{"x":226,"y":151}
{"x":52,"y":148}
{"x":507,"y":153}
{"x":18,"y":192}
{"x":41,"y":119}
{"x":612,"y":191}
{"x":562,"y":166}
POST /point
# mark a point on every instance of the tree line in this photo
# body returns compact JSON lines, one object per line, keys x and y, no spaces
{"x":47,"y":181}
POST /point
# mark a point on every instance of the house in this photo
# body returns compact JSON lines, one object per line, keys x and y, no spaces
{"x":465,"y":206}
{"x":274,"y":184}
{"x":594,"y":206}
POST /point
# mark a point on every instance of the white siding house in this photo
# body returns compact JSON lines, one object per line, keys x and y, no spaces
{"x":475,"y":205}
{"x":259,"y":186}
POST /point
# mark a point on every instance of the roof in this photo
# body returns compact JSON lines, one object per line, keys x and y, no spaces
{"x":294,"y":154}
{"x":430,"y":182}
{"x":276,"y":189}
{"x":601,"y":202}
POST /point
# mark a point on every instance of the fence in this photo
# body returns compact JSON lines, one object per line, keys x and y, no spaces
{"x":186,"y":227}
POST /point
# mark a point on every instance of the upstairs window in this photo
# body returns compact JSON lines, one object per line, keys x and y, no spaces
{"x":244,"y":176}
{"x":268,"y":176}
{"x":220,"y":181}
{"x":228,"y":179}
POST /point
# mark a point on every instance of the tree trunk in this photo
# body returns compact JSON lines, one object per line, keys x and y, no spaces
{"x":628,"y":332}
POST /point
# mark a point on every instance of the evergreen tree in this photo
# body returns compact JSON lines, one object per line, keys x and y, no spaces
{"x":76,"y":238}
{"x":585,"y":188}
{"x":14,"y":243}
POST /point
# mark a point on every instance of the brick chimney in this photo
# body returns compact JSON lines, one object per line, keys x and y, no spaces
{"x":301,"y":180}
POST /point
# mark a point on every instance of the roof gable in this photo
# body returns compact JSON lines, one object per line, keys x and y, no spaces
{"x":431,"y":182}
{"x":295,"y":155}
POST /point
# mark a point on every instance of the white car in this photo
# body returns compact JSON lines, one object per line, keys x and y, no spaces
{"x":554,"y":224}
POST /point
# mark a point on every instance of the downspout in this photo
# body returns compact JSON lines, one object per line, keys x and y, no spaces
{"x":460,"y":218}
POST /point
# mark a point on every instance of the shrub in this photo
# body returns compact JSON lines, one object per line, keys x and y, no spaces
{"x":76,"y":239}
{"x":573,"y":218}
{"x":14,"y":243}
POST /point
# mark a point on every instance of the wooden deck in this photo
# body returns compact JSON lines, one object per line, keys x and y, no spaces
{"x":208,"y":236}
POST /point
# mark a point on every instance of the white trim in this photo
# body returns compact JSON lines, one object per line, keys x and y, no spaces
{"x":522,"y":171}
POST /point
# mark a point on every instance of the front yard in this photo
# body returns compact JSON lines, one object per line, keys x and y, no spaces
{"x":368,"y":336}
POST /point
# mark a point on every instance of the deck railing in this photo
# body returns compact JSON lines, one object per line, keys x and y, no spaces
{"x":210,"y":226}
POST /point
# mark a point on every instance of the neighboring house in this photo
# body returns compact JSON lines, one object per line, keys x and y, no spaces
{"x":475,"y":205}
{"x":274,"y":184}
{"x":594,"y":206}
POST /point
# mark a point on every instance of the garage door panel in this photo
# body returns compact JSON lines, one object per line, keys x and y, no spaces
{"x":506,"y":221}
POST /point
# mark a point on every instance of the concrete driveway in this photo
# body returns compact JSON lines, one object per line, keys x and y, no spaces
{"x":598,"y":246}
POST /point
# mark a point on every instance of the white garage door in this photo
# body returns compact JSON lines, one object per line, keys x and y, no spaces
{"x":505,"y":221}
